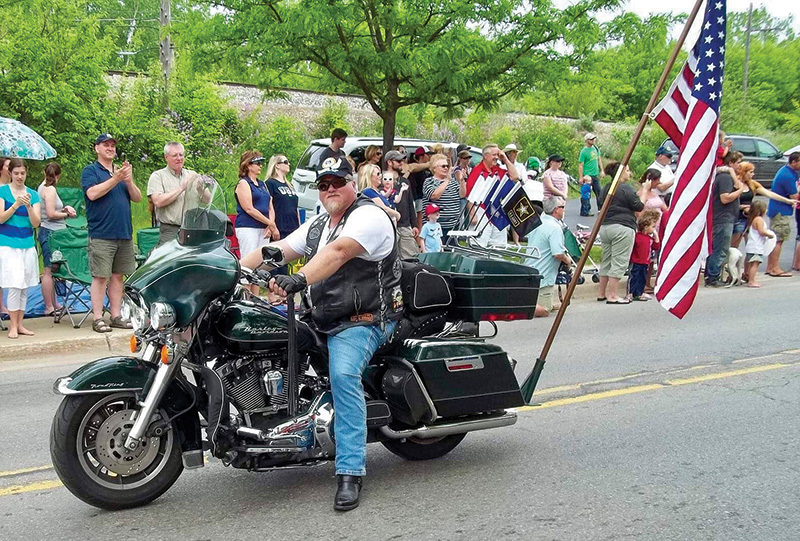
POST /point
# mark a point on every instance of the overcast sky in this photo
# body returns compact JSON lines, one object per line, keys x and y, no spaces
{"x":779,"y":8}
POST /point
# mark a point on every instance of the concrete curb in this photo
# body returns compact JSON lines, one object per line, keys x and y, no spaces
{"x":14,"y":349}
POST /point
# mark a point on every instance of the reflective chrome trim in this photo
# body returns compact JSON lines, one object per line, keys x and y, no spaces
{"x":508,"y":418}
{"x":61,"y":387}
{"x":460,"y":364}
{"x":428,"y":399}
{"x":151,"y":402}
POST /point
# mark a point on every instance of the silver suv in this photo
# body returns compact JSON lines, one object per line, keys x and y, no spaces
{"x":305,"y":175}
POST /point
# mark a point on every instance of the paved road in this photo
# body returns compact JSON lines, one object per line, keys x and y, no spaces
{"x":649,"y":428}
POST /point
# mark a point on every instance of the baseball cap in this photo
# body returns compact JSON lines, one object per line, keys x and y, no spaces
{"x":556,"y":158}
{"x":589,"y":136}
{"x":462,"y":147}
{"x":465,"y":154}
{"x":395,"y":155}
{"x":420,"y":151}
{"x":511,"y":147}
{"x":662,"y":150}
{"x":334,"y":167}
{"x":430,"y":208}
{"x":103,"y":137}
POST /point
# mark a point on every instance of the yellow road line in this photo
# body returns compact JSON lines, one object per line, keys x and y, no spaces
{"x":654,"y":386}
{"x":24,"y":471}
{"x":32,"y":487}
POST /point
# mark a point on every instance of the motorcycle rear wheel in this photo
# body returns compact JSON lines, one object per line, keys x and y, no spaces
{"x":423,"y":449}
{"x":86,"y":445}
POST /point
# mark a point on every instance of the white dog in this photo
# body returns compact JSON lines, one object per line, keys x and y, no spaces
{"x":734,"y":266}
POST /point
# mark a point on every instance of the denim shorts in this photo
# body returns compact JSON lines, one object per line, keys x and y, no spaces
{"x":740,"y":226}
{"x":44,"y":235}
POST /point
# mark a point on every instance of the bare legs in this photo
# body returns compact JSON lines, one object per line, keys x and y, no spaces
{"x":17,"y":299}
{"x":752,"y":270}
{"x":773,"y":261}
{"x":607,"y":288}
{"x":49,"y":292}
{"x":98,"y":291}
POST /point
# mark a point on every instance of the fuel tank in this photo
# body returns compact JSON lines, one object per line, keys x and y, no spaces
{"x":251,"y":326}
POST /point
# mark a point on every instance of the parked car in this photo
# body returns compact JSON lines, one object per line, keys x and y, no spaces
{"x":305,"y":174}
{"x":765,"y":156}
{"x":793,"y":149}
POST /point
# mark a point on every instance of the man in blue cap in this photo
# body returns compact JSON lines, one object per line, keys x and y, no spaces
{"x":109,"y":190}
{"x":667,"y":183}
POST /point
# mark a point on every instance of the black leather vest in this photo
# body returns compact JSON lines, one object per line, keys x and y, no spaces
{"x":361,"y":292}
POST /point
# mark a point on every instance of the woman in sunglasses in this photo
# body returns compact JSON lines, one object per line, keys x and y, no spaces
{"x":284,"y":198}
{"x":369,"y":184}
{"x":444,"y":190}
{"x":255,"y":215}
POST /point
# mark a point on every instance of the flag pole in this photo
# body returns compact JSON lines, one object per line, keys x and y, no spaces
{"x":529,"y":385}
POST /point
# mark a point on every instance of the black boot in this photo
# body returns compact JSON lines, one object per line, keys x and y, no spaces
{"x":347,"y":493}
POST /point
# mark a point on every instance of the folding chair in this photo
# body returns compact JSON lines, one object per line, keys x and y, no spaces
{"x":74,"y":198}
{"x":146,"y":240}
{"x":70,"y":268}
{"x":234,"y":242}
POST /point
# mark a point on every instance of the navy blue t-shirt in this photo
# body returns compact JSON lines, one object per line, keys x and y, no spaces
{"x":284,"y":201}
{"x":372,"y":193}
{"x":261,"y":197}
{"x":108,"y":217}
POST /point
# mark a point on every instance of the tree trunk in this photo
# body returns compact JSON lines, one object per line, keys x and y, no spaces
{"x":389,"y":123}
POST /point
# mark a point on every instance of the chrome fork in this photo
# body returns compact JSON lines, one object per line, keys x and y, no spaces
{"x":154,"y":395}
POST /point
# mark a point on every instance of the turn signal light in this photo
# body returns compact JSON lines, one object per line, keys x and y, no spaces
{"x":166,"y":355}
{"x":134,"y":343}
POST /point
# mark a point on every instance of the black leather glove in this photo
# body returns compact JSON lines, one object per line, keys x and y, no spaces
{"x":291,"y":284}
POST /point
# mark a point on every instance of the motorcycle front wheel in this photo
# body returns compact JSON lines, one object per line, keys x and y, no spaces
{"x":87,"y":447}
{"x":423,"y":449}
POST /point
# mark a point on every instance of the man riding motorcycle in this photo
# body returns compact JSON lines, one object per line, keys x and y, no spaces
{"x":352,"y":280}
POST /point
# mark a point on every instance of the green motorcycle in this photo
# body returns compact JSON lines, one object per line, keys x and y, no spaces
{"x":217,"y":369}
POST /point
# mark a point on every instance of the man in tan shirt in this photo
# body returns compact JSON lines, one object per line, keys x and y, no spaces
{"x":166,"y":189}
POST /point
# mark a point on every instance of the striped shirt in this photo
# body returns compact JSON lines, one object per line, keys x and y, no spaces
{"x":17,"y":231}
{"x":449,"y":203}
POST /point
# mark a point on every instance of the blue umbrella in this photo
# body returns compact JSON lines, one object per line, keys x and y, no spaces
{"x":19,"y":141}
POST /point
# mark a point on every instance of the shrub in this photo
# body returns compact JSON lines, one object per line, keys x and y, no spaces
{"x":542,"y":138}
{"x":334,"y":115}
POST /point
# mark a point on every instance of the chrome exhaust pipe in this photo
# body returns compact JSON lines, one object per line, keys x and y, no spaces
{"x":507,"y":418}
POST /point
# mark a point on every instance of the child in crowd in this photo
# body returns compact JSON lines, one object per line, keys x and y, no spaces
{"x":430,"y":237}
{"x":586,"y":196}
{"x":388,"y":189}
{"x":640,"y":256}
{"x":756,"y":240}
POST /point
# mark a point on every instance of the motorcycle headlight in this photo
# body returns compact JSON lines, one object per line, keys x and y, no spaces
{"x":134,"y":313}
{"x":162,"y":316}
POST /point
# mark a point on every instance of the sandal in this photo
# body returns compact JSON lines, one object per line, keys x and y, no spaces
{"x":119,"y":323}
{"x":100,"y":325}
{"x":619,"y":301}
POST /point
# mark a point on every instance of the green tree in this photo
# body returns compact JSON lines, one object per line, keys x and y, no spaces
{"x":398,"y":53}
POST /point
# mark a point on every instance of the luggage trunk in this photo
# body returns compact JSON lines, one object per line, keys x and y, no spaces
{"x":464,"y":377}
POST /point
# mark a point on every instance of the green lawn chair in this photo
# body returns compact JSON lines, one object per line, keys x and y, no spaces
{"x":70,"y":268}
{"x":146,"y":240}
{"x":74,"y":198}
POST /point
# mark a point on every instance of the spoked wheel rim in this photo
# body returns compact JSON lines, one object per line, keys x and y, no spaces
{"x":100,"y":446}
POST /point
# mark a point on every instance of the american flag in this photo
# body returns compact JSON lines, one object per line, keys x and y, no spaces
{"x":690,"y":115}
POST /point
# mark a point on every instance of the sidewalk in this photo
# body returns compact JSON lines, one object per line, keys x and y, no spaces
{"x":51,"y":338}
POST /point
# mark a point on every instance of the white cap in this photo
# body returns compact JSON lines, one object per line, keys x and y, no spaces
{"x":511,"y":147}
{"x":588,"y":136}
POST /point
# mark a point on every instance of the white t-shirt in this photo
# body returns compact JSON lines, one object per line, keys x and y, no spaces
{"x":369,"y":226}
{"x":667,"y":175}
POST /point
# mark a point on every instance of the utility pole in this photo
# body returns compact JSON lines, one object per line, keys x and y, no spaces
{"x":749,"y":30}
{"x":166,"y":53}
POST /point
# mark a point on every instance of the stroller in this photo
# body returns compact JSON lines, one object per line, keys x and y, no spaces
{"x":575,"y":244}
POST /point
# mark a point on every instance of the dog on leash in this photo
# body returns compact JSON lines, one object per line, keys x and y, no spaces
{"x":734,"y":266}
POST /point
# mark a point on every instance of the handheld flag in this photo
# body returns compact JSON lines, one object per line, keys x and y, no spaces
{"x":523,"y":214}
{"x":690,"y":115}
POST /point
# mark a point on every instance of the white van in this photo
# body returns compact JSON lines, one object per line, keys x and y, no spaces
{"x":305,"y":175}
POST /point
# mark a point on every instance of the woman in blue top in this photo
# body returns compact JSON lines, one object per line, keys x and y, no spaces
{"x":369,"y":179}
{"x":255,"y":216}
{"x":284,"y":198}
{"x":19,"y":264}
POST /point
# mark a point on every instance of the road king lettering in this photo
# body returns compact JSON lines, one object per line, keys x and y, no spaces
{"x":128,"y":426}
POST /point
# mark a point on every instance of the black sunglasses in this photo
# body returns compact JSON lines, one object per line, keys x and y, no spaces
{"x":284,"y":162}
{"x":324,"y":185}
{"x":257,"y":161}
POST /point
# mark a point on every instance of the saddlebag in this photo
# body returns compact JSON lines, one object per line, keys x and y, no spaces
{"x":425,"y":289}
{"x":462,"y":377}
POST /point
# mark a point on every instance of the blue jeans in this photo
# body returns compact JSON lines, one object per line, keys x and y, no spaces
{"x":350,"y":351}
{"x":586,"y":206}
{"x":720,"y":243}
{"x":637,"y":279}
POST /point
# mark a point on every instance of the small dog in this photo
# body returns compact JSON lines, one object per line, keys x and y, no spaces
{"x":734,"y":266}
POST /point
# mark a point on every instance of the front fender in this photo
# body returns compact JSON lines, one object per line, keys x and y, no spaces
{"x":107,"y":375}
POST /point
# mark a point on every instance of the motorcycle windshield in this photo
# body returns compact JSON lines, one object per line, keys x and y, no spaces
{"x":204,"y":219}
